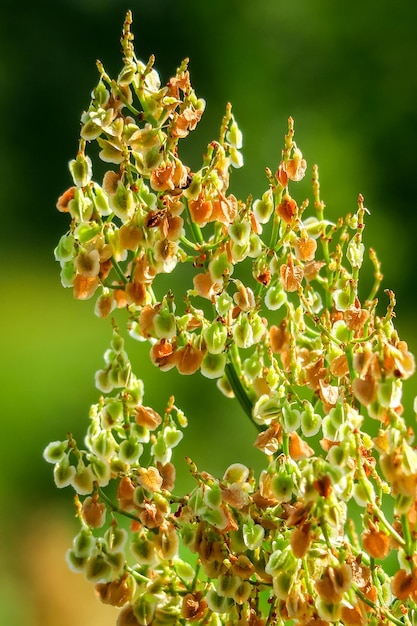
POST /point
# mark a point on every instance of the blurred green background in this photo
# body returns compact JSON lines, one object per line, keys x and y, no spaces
{"x":345,"y":71}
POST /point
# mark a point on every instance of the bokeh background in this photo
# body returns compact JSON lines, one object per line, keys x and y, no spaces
{"x":345,"y":71}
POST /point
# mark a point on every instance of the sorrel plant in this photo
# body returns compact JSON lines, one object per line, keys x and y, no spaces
{"x":273,"y":314}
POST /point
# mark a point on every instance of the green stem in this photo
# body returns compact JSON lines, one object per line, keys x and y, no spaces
{"x":114,"y":508}
{"x":384,"y":612}
{"x":238,"y":388}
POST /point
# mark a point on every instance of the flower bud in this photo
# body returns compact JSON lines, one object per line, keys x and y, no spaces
{"x":94,"y":512}
{"x":234,"y":136}
{"x":117,"y":592}
{"x":355,"y":252}
{"x":167,"y":542}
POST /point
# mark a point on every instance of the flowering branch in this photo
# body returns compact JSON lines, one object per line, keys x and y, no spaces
{"x":273,"y":314}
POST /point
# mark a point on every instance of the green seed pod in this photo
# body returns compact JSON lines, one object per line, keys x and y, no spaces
{"x":330,"y":430}
{"x":215,"y":337}
{"x":310,"y":421}
{"x":172,"y":436}
{"x":253,"y":535}
{"x":252,"y":366}
{"x":55,"y":451}
{"x":100,"y":95}
{"x":224,"y":303}
{"x":216,"y":602}
{"x":242,"y":332}
{"x":194,"y":188}
{"x":267,"y":408}
{"x":143,"y":550}
{"x":275,"y":297}
{"x":282,"y":486}
{"x":341,"y":331}
{"x":84,"y":544}
{"x":239,"y":232}
{"x":87,"y":231}
{"x":65,"y":250}
{"x":81,"y":170}
{"x":291,"y":418}
{"x":164,"y":324}
{"x":83,"y":481}
{"x":130,"y":451}
{"x":97,"y":569}
{"x":242,"y":592}
{"x":161,"y":452}
{"x":220,"y":266}
{"x":101,"y":470}
{"x":215,"y":517}
{"x":76,"y":563}
{"x":144,"y":609}
{"x":127,"y":74}
{"x":64,"y":473}
{"x":112,"y":414}
{"x":117,"y":561}
{"x":80,"y":207}
{"x":103,"y":381}
{"x":68,"y":274}
{"x":227,"y":584}
{"x":263,"y":209}
{"x":213,"y":365}
{"x":167,"y":542}
{"x":115,"y":538}
{"x":213,"y":496}
{"x":328,"y":612}
{"x":123,"y":203}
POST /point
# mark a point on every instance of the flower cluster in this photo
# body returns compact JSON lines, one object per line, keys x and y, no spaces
{"x":273,"y":312}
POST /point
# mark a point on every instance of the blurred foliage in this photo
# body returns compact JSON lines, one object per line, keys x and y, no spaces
{"x":345,"y":72}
